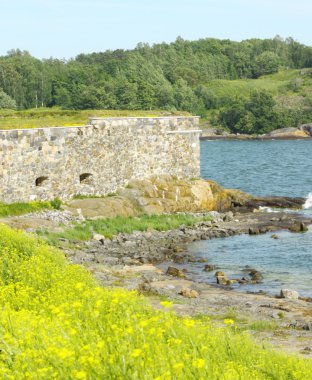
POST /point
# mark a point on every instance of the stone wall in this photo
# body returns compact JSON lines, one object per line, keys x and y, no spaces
{"x":95,"y":159}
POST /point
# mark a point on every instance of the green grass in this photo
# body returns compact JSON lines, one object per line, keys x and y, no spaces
{"x":275,"y":84}
{"x":290,"y":88}
{"x":20,"y":208}
{"x":56,"y":322}
{"x":81,"y":196}
{"x":56,"y":117}
{"x":113,"y":226}
{"x":262,"y":325}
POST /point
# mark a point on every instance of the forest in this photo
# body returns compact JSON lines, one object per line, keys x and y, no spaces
{"x":178,"y":76}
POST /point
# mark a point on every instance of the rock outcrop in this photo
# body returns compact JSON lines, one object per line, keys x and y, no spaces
{"x":286,"y":133}
{"x":163,"y":194}
{"x":242,"y":205}
{"x":306,"y":128}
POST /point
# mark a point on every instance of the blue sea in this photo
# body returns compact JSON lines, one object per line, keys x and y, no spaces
{"x":260,"y":168}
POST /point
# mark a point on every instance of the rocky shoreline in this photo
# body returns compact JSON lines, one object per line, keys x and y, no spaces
{"x":304,"y":132}
{"x":152,"y":246}
{"x":131,"y":261}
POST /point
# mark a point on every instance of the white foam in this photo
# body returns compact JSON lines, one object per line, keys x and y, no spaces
{"x":267,"y":209}
{"x":308,"y":202}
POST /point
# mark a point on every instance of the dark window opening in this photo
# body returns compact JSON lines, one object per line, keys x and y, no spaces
{"x":85,"y":178}
{"x":40,"y":180}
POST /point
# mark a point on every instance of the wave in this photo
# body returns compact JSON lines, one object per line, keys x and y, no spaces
{"x":308,"y":202}
{"x":266,"y":209}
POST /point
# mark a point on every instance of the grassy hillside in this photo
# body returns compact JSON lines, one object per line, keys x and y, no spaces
{"x":291,"y":101}
{"x":57,"y":323}
{"x":288,"y":87}
{"x":56,"y":117}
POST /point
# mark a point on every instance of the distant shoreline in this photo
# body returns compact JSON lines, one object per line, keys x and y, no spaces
{"x":304,"y":132}
{"x":248,"y":137}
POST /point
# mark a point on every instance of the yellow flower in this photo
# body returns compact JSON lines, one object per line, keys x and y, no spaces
{"x":136,"y":353}
{"x":189,"y":322}
{"x":80,"y":375}
{"x":73,"y":332}
{"x":79,"y":285}
{"x":143,"y":323}
{"x":174,"y":341}
{"x":56,"y":310}
{"x":178,"y":366}
{"x":228,"y":321}
{"x":198,"y":363}
{"x":64,"y":353}
{"x":98,"y":303}
{"x":166,"y":304}
{"x":100,"y":344}
{"x":77,"y":305}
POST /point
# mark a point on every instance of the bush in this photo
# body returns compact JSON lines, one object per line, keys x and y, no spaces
{"x":6,"y":101}
{"x":256,"y":115}
{"x":56,"y":203}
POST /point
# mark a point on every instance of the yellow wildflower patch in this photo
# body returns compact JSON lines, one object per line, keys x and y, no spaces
{"x":56,"y":322}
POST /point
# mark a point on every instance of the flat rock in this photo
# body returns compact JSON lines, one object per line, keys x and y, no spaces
{"x":289,"y":294}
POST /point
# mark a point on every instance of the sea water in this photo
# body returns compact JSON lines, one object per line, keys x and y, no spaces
{"x":260,"y":168}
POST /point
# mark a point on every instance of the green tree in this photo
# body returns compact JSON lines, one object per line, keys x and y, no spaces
{"x":266,"y":63}
{"x":184,"y":97}
{"x":6,"y":101}
{"x":262,"y":106}
{"x":257,"y":115}
{"x":246,"y":123}
{"x":231,"y":115}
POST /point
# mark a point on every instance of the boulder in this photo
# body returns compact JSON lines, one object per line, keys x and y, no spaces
{"x":253,"y":231}
{"x":178,"y":259}
{"x":274,"y":236}
{"x":306,"y":128}
{"x":228,"y":216}
{"x":298,"y":227}
{"x":98,"y":237}
{"x":301,"y":325}
{"x":175,"y":272}
{"x":289,"y":294}
{"x":201,"y":260}
{"x":189,"y":293}
{"x":209,"y":268}
{"x":242,"y":280}
{"x":222,"y":279}
{"x":255,"y":275}
{"x":178,"y":249}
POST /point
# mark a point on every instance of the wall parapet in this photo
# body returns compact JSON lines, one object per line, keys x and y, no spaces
{"x":97,"y":158}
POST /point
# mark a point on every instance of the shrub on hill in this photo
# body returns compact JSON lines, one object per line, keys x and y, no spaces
{"x":6,"y":101}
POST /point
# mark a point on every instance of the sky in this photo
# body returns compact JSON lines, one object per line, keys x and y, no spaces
{"x":65,"y":28}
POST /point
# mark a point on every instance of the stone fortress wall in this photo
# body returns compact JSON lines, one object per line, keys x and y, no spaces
{"x":95,"y":159}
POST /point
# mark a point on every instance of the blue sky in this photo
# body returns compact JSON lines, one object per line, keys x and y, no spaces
{"x":65,"y":28}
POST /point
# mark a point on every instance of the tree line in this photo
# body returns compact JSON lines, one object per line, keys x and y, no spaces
{"x":165,"y":76}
